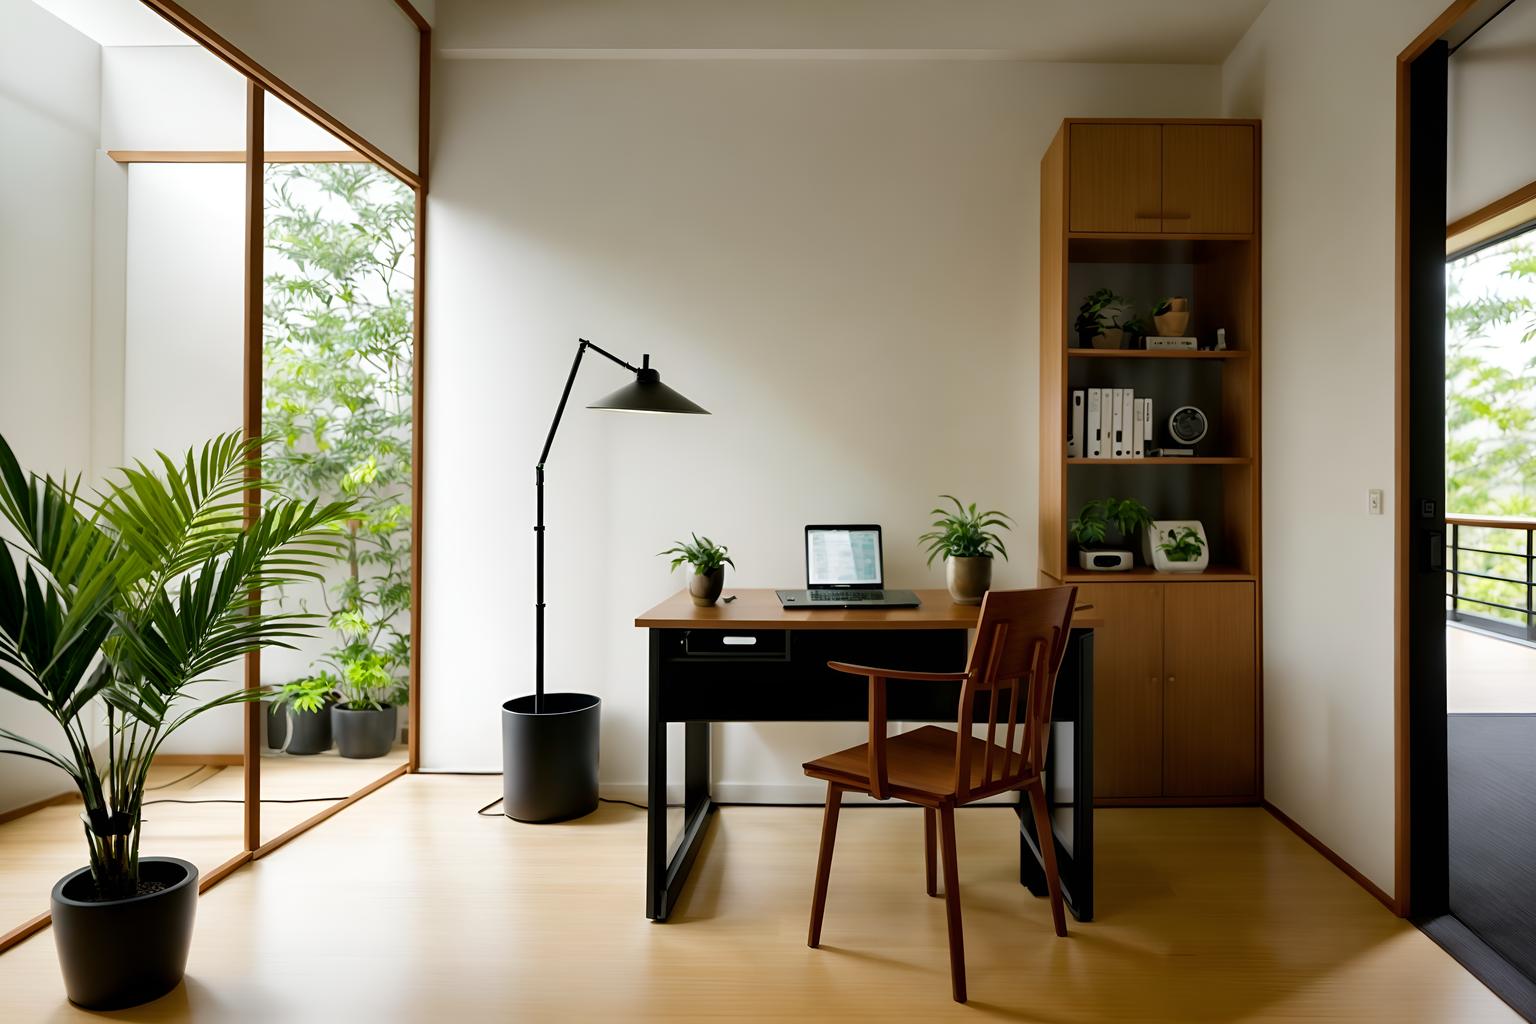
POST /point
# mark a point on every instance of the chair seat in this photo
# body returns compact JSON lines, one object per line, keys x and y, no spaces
{"x":918,"y":763}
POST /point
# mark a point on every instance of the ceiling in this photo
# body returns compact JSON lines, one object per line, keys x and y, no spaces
{"x":1112,"y":31}
{"x":116,"y":22}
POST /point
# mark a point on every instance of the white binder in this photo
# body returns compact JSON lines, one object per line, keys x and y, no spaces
{"x":1117,"y":434}
{"x":1075,"y":436}
{"x":1094,"y":434}
{"x":1148,"y":431}
{"x":1138,"y":428}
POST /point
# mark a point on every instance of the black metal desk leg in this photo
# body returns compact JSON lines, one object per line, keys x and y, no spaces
{"x":656,"y":794}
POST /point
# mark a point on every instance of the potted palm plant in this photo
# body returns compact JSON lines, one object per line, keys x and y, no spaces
{"x":303,"y":707}
{"x":966,"y":539}
{"x":708,"y":560}
{"x":110,"y":608}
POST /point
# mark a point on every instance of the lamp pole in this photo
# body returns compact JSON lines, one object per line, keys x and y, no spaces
{"x":538,"y":483}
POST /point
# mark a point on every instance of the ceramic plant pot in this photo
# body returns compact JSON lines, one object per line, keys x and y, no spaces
{"x":367,"y":733}
{"x":968,"y":579}
{"x":549,"y":751}
{"x":118,"y":953}
{"x":277,"y":724}
{"x":1110,"y":337}
{"x":1172,"y":324}
{"x":705,"y":587}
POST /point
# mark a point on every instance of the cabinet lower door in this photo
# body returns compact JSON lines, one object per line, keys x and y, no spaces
{"x":1127,"y":689}
{"x":1209,"y":691}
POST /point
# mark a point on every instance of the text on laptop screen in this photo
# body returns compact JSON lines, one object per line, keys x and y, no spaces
{"x":843,"y":558}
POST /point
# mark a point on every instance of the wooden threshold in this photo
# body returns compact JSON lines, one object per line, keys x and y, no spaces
{"x":1333,"y":858}
{"x":219,"y":760}
{"x":236,"y":156}
{"x":311,"y":822}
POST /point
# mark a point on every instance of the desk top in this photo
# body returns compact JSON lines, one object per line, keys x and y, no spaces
{"x":760,"y":609}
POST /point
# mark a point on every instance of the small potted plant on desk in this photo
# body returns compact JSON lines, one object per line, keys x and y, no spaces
{"x":1090,"y":527}
{"x":304,"y":708}
{"x":708,"y":560}
{"x":966,"y":539}
{"x":109,"y":611}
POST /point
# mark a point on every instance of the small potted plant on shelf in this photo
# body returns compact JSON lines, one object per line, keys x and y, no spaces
{"x":1171,"y":315}
{"x":302,"y":707}
{"x":708,"y":560}
{"x":1098,"y":320}
{"x":110,"y":609}
{"x":1090,"y":527}
{"x":1177,"y":546}
{"x":966,"y":540}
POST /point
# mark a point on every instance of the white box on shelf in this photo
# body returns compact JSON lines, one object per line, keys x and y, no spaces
{"x":1153,"y":344}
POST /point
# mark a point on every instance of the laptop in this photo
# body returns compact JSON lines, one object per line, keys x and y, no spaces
{"x":844,"y":569}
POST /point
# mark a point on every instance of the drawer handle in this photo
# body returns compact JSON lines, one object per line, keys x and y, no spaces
{"x":739,"y":641}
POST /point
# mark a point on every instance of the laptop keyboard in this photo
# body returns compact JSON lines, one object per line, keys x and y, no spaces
{"x":845,"y":596}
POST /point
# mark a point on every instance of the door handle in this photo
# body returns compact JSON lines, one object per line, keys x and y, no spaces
{"x":1435,"y":551}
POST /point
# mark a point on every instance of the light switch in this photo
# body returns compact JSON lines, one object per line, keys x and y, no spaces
{"x":1373,"y":501}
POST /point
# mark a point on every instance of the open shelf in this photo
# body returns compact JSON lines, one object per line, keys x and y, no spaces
{"x":1168,"y":460}
{"x":1165,"y":353}
{"x":1143,"y":574}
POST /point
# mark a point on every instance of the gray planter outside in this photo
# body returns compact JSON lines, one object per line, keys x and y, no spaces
{"x":368,"y":733}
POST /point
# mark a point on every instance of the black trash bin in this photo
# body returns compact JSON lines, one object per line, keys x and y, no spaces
{"x":549,"y":757}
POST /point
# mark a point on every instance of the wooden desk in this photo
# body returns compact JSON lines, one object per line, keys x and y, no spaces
{"x":752,"y":661}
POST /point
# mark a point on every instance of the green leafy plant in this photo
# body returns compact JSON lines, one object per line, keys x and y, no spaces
{"x":115,"y":606}
{"x":308,"y":696}
{"x":338,"y":358}
{"x":703,"y":554}
{"x":1091,"y":525}
{"x":965,"y":532}
{"x":1181,"y":544}
{"x":1092,"y":317}
{"x":1164,"y":305}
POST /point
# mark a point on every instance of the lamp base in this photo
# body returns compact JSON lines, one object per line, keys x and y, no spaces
{"x":549,"y":757}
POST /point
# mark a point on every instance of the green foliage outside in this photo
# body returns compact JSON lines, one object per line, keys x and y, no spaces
{"x":1490,"y":410}
{"x":338,"y":360}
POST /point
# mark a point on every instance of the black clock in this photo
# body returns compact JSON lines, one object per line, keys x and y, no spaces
{"x":1187,"y":425}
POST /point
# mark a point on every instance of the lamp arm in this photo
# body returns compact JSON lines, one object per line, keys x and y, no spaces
{"x":538,"y":529}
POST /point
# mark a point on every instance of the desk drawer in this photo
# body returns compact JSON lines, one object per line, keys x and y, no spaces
{"x":733,"y":645}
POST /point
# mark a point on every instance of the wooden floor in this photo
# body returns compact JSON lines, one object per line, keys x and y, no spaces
{"x":409,"y":907}
{"x":38,"y":849}
{"x":1486,"y":675}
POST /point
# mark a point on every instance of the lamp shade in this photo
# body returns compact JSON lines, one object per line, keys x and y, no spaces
{"x":646,"y":393}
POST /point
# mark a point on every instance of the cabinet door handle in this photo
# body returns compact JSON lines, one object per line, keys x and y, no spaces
{"x":1154,"y":680}
{"x":1170,"y":680}
{"x":1175,"y":216}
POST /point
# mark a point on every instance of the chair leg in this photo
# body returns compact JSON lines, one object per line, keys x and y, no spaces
{"x":1048,"y":853}
{"x":930,"y":840}
{"x":824,"y":862}
{"x":952,"y":901}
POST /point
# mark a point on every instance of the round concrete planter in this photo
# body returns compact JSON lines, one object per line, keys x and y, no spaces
{"x":367,"y":733}
{"x":118,"y":953}
{"x":968,"y":579}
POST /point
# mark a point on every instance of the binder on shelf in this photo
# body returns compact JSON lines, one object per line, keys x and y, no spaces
{"x":1138,"y":428}
{"x":1075,"y":436}
{"x":1127,"y":403}
{"x":1106,"y":421}
{"x":1117,"y":413}
{"x":1094,"y":433}
{"x":1147,"y":432}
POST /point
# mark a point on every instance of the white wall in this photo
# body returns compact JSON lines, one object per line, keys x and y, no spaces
{"x":1321,"y":75}
{"x":356,"y":59}
{"x":1493,"y":111}
{"x":182,"y":364}
{"x":49,"y":76}
{"x":838,"y":259}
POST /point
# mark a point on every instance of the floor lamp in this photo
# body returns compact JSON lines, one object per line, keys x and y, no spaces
{"x":549,"y":742}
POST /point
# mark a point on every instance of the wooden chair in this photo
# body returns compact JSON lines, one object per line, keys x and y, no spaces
{"x":1020,"y":640}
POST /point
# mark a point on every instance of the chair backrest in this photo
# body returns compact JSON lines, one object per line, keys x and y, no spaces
{"x":1021,"y":639}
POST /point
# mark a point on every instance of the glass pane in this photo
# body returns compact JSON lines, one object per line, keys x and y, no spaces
{"x":337,"y":404}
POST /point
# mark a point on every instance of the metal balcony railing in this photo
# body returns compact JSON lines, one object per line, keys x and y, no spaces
{"x":1464,"y":593}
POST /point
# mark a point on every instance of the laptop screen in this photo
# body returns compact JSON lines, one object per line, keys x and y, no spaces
{"x":843,"y":556}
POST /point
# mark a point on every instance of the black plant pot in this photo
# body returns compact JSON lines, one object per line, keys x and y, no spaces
{"x":549,"y":757}
{"x":368,"y":733}
{"x":119,"y":953}
{"x":277,"y":725}
{"x":311,"y":730}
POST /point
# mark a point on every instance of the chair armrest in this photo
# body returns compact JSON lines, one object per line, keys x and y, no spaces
{"x":894,"y":673}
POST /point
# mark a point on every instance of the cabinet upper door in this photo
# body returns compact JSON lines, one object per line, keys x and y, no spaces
{"x":1207,"y":179}
{"x":1114,"y":178}
{"x":1127,"y":688}
{"x":1209,"y":677}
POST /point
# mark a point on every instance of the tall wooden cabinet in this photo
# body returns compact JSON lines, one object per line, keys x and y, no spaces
{"x":1152,"y":208}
